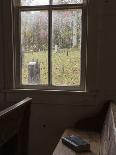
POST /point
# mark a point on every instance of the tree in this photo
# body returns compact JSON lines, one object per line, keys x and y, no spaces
{"x":66,"y":28}
{"x":34,"y":31}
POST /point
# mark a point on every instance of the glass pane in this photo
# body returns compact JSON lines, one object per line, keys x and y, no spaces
{"x":66,"y":47}
{"x":34,"y":47}
{"x":67,"y":1}
{"x":34,"y":2}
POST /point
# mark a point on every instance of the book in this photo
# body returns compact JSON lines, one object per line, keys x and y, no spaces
{"x":76,"y":143}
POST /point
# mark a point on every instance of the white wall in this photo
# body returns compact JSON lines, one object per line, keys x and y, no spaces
{"x":52,"y":112}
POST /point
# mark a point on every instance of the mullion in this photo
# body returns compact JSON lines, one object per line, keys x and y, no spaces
{"x":54,"y":7}
{"x":50,"y":2}
{"x":67,"y":6}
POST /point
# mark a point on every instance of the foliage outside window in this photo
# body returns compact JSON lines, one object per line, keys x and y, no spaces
{"x":50,"y":35}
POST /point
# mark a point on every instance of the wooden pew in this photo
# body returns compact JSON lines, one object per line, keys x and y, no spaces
{"x":101,"y":143}
{"x":108,"y":134}
{"x":92,"y":137}
{"x":14,"y":127}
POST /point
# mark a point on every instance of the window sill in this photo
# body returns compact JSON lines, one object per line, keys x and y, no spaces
{"x":49,"y":91}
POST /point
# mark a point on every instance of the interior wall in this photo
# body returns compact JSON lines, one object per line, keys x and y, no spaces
{"x":52,"y":112}
{"x":107,"y":49}
{"x":1,"y":57}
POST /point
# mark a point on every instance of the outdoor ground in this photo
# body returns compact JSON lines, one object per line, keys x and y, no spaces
{"x":65,"y":66}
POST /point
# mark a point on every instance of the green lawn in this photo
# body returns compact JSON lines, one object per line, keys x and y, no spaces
{"x":65,"y":67}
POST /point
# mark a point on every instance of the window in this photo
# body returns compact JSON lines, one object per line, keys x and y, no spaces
{"x":51,"y":48}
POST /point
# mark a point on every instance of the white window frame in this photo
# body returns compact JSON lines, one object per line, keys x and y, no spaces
{"x":17,"y":57}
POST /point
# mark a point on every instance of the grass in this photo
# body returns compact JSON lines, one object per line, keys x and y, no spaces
{"x":65,"y":67}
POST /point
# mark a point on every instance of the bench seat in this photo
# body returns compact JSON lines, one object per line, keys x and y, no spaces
{"x":102,"y":142}
{"x":92,"y":137}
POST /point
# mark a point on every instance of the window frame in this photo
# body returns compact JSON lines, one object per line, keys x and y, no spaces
{"x":17,"y":44}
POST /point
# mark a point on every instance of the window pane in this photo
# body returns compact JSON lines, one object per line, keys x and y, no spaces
{"x":67,"y":1}
{"x":34,"y":47}
{"x":34,"y":2}
{"x":66,"y":47}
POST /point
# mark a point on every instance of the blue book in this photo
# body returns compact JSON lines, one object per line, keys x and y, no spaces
{"x":76,"y":143}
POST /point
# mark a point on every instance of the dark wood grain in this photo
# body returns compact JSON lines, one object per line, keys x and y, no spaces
{"x":14,"y":127}
{"x":108,"y":136}
{"x":15,"y":107}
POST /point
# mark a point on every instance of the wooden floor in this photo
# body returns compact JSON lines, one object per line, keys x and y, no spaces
{"x":92,"y":137}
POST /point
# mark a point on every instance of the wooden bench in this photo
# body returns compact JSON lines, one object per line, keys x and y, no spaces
{"x":92,"y":137}
{"x":14,"y":126}
{"x":101,"y":143}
